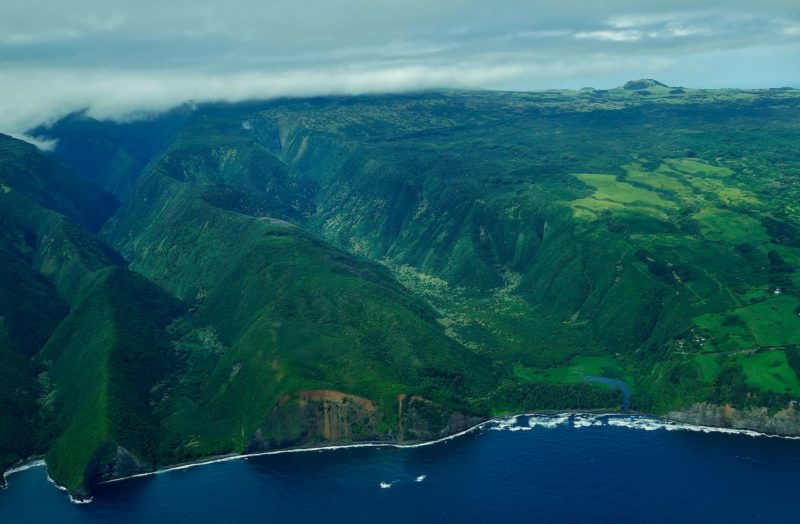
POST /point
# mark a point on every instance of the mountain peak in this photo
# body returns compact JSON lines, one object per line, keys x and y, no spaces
{"x":644,"y":83}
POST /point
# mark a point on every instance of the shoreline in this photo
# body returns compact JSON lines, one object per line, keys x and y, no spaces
{"x":37,"y":462}
{"x":658,"y":423}
{"x":332,"y":447}
{"x":676,"y":425}
{"x":20,"y":466}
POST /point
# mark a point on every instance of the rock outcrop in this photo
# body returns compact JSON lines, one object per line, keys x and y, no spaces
{"x":327,"y":417}
{"x":782,"y":422}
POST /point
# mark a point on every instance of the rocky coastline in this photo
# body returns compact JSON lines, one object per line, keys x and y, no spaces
{"x":754,"y":421}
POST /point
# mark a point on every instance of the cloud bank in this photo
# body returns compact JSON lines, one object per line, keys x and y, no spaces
{"x":116,"y":59}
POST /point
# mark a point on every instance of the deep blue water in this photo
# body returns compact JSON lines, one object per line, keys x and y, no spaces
{"x":567,"y":473}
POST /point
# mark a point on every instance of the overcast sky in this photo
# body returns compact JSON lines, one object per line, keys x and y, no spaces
{"x":119,"y":57}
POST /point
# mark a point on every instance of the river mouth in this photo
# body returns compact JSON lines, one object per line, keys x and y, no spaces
{"x":617,"y":384}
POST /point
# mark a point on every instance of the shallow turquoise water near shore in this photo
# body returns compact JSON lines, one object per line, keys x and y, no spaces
{"x":537,"y":469}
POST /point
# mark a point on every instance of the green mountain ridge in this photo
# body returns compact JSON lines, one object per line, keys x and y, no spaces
{"x":129,"y":378}
{"x":394,"y":268}
{"x":645,"y":83}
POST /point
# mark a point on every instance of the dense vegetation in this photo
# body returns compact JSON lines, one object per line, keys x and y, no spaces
{"x":402,"y":264}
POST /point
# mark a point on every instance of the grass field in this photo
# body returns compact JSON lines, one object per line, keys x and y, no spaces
{"x":708,"y":366}
{"x":770,"y":371}
{"x":662,"y":180}
{"x":772,"y":322}
{"x":578,"y":368}
{"x":695,"y":166}
{"x":613,"y":195}
{"x":729,"y":227}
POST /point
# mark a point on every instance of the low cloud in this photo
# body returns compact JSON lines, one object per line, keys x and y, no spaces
{"x":124,"y":59}
{"x":610,"y":36}
{"x":32,"y":97}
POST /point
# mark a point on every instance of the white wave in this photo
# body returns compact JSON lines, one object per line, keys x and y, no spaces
{"x":646,"y":424}
{"x":585,"y":421}
{"x":24,"y":467}
{"x":653,"y":424}
{"x":678,"y":426}
{"x":548,"y":422}
{"x":30,"y":465}
{"x":420,"y":478}
{"x":64,"y":489}
{"x":534,"y":420}
{"x":504,"y":424}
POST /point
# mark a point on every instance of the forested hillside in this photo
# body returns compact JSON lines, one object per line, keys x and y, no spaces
{"x":228,"y":278}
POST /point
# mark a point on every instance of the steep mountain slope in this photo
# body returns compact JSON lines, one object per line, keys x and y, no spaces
{"x":74,"y":323}
{"x":44,"y":252}
{"x":278,"y":311}
{"x":102,"y":368}
{"x":644,"y":231}
{"x":239,"y":331}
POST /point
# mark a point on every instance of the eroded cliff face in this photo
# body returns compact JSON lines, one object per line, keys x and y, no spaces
{"x":119,"y":462}
{"x":111,"y":461}
{"x":317,"y":417}
{"x":327,"y":417}
{"x":783,"y":422}
{"x":419,"y":419}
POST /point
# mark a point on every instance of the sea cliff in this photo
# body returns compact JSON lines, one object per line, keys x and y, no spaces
{"x":784,"y":422}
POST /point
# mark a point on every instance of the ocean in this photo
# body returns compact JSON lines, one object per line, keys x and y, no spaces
{"x":568,"y":468}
